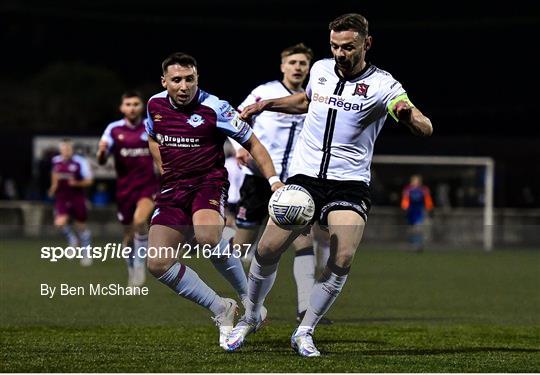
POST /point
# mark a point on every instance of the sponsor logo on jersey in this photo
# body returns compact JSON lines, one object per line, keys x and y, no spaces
{"x":72,"y":168}
{"x":180,"y":142}
{"x":336,"y":102}
{"x":195,"y":120}
{"x":361,"y":89}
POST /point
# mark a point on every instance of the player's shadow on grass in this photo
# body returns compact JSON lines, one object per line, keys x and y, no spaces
{"x":409,"y":352}
{"x":397,"y":319}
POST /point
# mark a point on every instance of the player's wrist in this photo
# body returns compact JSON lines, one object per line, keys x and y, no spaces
{"x":273,"y":179}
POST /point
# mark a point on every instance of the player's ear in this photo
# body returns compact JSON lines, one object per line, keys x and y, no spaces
{"x":281,"y":67}
{"x":368,"y":42}
{"x":163,"y":83}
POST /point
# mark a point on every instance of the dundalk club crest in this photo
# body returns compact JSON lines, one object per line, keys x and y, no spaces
{"x":361,"y":89}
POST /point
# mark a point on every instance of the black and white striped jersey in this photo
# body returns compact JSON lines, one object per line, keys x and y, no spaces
{"x":343,"y":120}
{"x":278,"y":132}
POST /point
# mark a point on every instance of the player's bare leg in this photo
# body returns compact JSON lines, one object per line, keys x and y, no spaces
{"x":245,"y":236}
{"x":346,"y":229}
{"x":183,"y":280}
{"x":262,"y":274}
{"x":208,"y":226}
{"x":144,"y":208}
{"x":85,"y":237}
{"x":321,"y":245}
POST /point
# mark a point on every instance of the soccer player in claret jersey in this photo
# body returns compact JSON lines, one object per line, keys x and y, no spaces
{"x":136,"y":183}
{"x":278,"y":132}
{"x":187,"y":128}
{"x":347,"y":101}
{"x":70,"y":176}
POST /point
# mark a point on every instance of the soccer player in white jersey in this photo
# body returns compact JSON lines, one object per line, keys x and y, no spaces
{"x":278,"y":132}
{"x":347,"y":101}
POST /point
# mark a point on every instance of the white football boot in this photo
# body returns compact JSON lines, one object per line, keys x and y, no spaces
{"x":243,"y":328}
{"x":138,"y":275}
{"x":302,"y":343}
{"x":225,"y":321}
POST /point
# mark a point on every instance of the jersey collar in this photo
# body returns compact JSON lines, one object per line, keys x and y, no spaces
{"x":196,"y":100}
{"x":354,"y":77}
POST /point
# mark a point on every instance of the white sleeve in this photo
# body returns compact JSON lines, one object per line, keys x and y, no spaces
{"x":107,"y":137}
{"x":229,"y":123}
{"x":252,"y":98}
{"x":86,"y":171}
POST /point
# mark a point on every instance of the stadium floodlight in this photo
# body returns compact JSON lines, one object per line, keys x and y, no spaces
{"x":485,"y":162}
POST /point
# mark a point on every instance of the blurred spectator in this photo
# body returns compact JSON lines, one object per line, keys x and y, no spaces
{"x":415,"y":201}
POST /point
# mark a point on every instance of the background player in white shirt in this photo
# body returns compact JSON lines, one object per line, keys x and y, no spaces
{"x":278,"y":132}
{"x":347,"y":101}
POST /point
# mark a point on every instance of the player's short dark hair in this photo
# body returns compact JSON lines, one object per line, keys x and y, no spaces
{"x":298,"y":48}
{"x":131,"y":94}
{"x":350,"y":21}
{"x":180,"y":58}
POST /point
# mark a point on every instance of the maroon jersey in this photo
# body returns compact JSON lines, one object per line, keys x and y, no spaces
{"x":191,"y":137}
{"x":132,"y":160}
{"x":76,"y":168}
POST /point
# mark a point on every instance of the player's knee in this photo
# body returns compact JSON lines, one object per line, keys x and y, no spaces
{"x":267,"y":250}
{"x":344,"y":259}
{"x":157,"y":266}
{"x":60,"y":222}
{"x":140,"y":226}
{"x":208,"y":239}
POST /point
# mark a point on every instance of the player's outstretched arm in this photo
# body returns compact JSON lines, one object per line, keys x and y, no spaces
{"x":292,"y":104}
{"x":413,"y":119}
{"x":263,"y":160}
{"x":102,"y":154}
{"x":154,"y":151}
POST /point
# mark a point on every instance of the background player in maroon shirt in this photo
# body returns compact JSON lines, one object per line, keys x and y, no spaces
{"x":188,"y":127}
{"x":70,"y":176}
{"x":136,"y":183}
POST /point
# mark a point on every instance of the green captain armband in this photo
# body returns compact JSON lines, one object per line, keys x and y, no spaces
{"x":392,"y":103}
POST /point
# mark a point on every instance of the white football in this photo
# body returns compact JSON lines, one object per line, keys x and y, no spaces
{"x":291,"y":205}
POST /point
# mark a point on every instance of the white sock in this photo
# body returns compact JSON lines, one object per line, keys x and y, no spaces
{"x":139,"y":241}
{"x":304,"y":275}
{"x":71,"y":237}
{"x":231,"y":268}
{"x":261,"y":278}
{"x":85,"y":236}
{"x":323,"y":296}
{"x":185,"y":282}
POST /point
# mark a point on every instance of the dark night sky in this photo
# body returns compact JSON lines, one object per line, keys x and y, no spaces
{"x":468,"y":66}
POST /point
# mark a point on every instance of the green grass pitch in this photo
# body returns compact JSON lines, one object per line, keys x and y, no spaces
{"x":440,"y":311}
